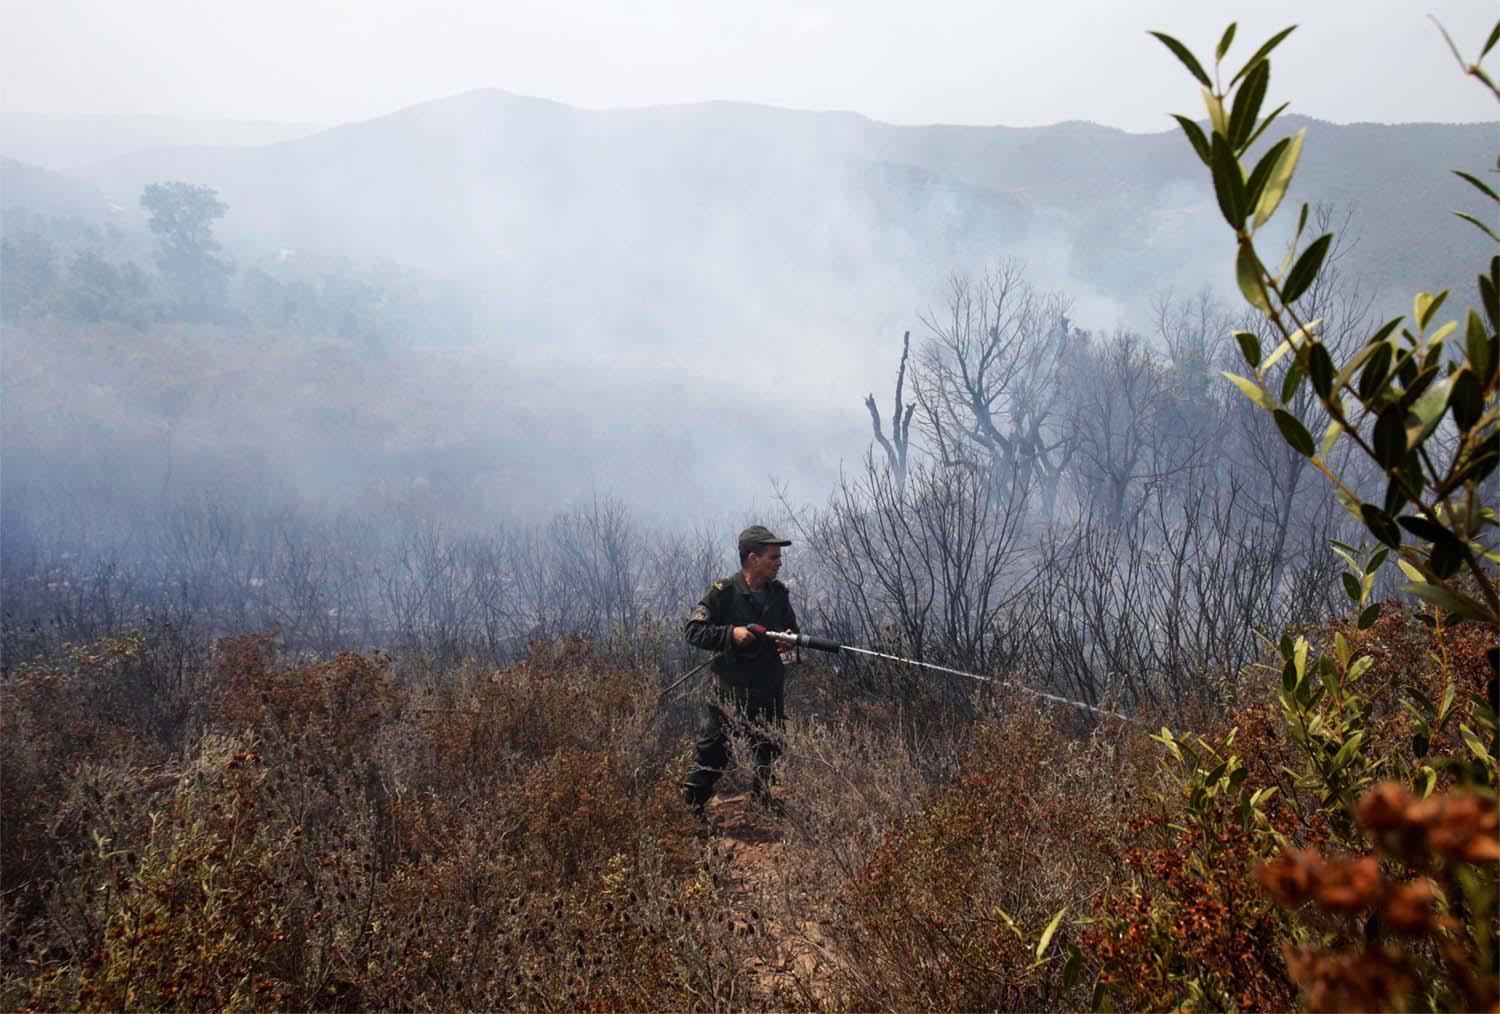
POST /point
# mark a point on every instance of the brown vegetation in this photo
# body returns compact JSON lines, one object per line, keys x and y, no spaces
{"x":364,"y":832}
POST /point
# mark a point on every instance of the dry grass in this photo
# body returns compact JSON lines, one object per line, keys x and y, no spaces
{"x":358,"y":833}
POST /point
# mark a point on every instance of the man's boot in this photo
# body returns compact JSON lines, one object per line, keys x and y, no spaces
{"x":703,"y":827}
{"x":760,"y":794}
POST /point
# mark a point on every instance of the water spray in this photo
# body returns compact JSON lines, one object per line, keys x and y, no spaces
{"x":834,"y":648}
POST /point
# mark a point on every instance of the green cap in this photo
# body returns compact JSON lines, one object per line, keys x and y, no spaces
{"x":760,"y":535}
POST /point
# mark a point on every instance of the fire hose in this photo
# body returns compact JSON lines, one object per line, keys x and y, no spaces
{"x":833,"y":647}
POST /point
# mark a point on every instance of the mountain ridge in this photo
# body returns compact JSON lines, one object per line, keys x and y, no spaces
{"x":64,"y":142}
{"x":620,"y":264}
{"x":521,"y":195}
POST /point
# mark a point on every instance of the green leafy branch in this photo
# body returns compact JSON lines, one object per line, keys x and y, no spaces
{"x":1474,"y":69}
{"x":1414,"y":400}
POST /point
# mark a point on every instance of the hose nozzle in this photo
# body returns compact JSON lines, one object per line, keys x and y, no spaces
{"x":798,"y":640}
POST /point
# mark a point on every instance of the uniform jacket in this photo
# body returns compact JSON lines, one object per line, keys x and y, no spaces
{"x":727,"y":605}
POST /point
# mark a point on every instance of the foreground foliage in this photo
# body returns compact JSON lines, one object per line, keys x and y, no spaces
{"x":1396,"y":774}
{"x":357,"y":833}
{"x":323,"y":839}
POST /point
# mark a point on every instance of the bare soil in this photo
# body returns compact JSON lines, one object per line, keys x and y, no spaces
{"x":795,"y":963}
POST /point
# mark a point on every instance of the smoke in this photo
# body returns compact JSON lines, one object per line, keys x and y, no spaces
{"x":671,"y":304}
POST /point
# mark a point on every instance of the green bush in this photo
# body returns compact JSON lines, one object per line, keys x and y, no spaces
{"x":1386,"y":756}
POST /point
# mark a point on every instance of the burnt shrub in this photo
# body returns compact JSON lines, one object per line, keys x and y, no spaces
{"x":963,"y":904}
{"x":343,"y":835}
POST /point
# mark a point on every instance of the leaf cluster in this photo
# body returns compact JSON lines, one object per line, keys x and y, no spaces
{"x":1418,"y":400}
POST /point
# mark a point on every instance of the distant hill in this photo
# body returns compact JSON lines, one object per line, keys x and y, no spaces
{"x":629,"y":225}
{"x":67,"y":142}
{"x":33,"y":189}
{"x":729,"y":272}
{"x":517,"y":192}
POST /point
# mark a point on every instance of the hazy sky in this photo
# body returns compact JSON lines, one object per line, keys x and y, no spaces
{"x":952,"y":61}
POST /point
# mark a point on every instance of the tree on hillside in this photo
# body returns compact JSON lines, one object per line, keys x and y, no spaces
{"x":28,"y":270}
{"x":1122,"y":425}
{"x":897,"y":446}
{"x":988,"y":379}
{"x":96,"y":289}
{"x":182,"y":217}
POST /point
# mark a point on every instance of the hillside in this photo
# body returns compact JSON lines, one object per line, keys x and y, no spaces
{"x":31,"y":189}
{"x":621,"y":266}
{"x":656,"y":226}
{"x":181,"y":410}
{"x":517,"y":190}
{"x":66,"y":142}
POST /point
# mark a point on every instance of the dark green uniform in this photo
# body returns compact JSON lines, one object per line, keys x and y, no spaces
{"x":749,"y":692}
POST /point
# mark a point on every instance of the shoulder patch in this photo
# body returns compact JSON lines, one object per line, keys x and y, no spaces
{"x":699,"y":613}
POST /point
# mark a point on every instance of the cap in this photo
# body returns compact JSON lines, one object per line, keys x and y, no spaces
{"x":760,"y":535}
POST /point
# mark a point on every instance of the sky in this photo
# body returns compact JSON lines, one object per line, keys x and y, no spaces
{"x":941,"y":61}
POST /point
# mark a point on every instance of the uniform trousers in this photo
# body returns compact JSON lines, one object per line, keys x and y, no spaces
{"x":754,"y":714}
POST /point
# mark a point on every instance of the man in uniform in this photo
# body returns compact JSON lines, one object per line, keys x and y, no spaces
{"x":748,"y":670}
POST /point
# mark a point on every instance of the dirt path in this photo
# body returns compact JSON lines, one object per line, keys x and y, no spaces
{"x":795,"y":965}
